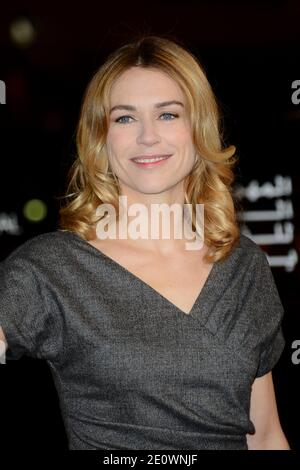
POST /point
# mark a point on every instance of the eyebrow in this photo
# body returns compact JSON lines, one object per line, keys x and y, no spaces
{"x":128,"y":107}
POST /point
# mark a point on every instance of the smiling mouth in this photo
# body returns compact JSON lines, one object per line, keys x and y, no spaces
{"x":146,"y":161}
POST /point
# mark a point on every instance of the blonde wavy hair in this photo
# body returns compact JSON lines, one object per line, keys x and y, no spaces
{"x":91,"y":181}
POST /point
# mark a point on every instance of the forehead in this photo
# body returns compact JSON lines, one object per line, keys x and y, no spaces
{"x":141,"y":82}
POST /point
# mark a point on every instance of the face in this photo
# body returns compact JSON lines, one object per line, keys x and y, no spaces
{"x":143,"y":125}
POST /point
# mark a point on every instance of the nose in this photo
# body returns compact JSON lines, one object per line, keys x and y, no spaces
{"x":148,"y":134}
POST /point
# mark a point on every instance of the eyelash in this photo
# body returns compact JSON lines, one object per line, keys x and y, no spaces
{"x":169,"y":114}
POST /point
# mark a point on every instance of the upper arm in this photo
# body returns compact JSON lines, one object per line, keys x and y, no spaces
{"x":2,"y":337}
{"x":264,"y":416}
{"x":29,"y":316}
{"x":3,"y":345}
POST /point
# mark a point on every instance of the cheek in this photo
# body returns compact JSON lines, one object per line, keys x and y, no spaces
{"x":183,"y":139}
{"x":116,"y":143}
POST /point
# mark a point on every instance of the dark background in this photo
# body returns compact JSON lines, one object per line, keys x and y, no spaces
{"x":250,"y":51}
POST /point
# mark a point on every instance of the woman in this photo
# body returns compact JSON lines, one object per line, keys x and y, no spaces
{"x":152,"y":345}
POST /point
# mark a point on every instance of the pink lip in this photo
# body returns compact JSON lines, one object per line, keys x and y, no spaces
{"x":151,"y":164}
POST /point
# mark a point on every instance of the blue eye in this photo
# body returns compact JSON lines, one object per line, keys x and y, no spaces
{"x":170,"y":114}
{"x":122,"y":117}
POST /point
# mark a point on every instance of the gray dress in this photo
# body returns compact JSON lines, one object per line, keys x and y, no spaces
{"x":131,"y":369}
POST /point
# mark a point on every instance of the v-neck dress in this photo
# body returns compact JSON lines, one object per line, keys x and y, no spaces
{"x":132,"y":370}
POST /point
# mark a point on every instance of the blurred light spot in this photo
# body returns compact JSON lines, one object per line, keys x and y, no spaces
{"x":9,"y":224}
{"x":22,"y":32}
{"x":35,"y":210}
